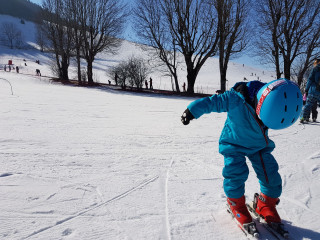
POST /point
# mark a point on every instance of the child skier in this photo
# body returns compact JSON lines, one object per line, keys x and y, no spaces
{"x":252,"y":108}
{"x":312,"y":91}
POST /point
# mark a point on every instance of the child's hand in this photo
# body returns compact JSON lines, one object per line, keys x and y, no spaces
{"x":186,"y":117}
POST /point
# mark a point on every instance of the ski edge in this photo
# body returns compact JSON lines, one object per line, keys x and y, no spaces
{"x":255,"y":235}
{"x":262,"y":222}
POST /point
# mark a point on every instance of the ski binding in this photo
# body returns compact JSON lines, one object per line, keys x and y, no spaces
{"x":274,"y":228}
{"x":249,"y":229}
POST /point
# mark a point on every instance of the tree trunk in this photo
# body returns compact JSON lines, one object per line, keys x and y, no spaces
{"x":191,"y":78}
{"x":191,"y":74}
{"x":64,"y":71}
{"x":276,"y":54}
{"x":59,"y":67}
{"x":176,"y":82}
{"x":89,"y":72}
{"x":223,"y":80}
{"x":278,"y":67}
{"x":286,"y":69}
{"x":79,"y":65}
{"x":222,"y":68}
{"x":64,"y":68}
{"x":300,"y":78}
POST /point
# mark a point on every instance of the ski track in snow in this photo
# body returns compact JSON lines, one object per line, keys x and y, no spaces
{"x":71,"y":158}
{"x":122,"y":195}
{"x":168,"y":228}
{"x":197,"y":166}
{"x":110,"y":212}
{"x":311,"y":174}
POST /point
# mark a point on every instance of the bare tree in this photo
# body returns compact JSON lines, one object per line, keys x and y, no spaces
{"x":40,"y":37}
{"x":137,"y":71}
{"x":187,"y":26}
{"x":311,"y":52}
{"x":232,"y":32}
{"x":59,"y":33}
{"x":291,"y":28}
{"x":12,"y":35}
{"x":121,"y":71}
{"x":155,"y":32}
{"x":19,"y":43}
{"x":102,"y":21}
{"x":134,"y":71}
{"x":266,"y":33}
{"x":74,"y":12}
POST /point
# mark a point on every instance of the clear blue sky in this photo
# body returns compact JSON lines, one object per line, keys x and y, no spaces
{"x":129,"y":36}
{"x":39,"y":2}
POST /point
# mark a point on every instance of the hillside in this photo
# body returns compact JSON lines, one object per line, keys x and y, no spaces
{"x":96,"y":163}
{"x":22,"y":9}
{"x":208,"y":80}
{"x":79,"y":163}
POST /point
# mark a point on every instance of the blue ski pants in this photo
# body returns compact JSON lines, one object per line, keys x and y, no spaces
{"x":311,"y":101}
{"x":236,"y":171}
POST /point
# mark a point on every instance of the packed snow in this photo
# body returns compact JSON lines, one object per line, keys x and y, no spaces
{"x":98,"y":163}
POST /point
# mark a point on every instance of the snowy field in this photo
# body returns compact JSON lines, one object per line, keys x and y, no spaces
{"x":208,"y":80}
{"x":94,"y":163}
{"x":80,"y":163}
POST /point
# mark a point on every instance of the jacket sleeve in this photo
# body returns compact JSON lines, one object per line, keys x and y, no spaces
{"x":310,"y":79}
{"x":215,"y":103}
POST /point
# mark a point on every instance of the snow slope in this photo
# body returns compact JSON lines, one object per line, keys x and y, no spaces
{"x":80,"y":163}
{"x":208,"y":80}
{"x":96,"y":163}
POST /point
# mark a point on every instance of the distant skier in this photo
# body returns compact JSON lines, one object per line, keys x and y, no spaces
{"x":150,"y":83}
{"x":38,"y":73}
{"x":314,"y":112}
{"x":252,"y":108}
{"x":184,"y":86}
{"x":312,"y":90}
{"x":314,"y":107}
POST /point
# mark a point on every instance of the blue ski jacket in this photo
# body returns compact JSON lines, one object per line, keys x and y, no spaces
{"x":243,"y":132}
{"x":313,"y":83}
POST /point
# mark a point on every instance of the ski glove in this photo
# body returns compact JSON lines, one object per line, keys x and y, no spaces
{"x":186,"y":117}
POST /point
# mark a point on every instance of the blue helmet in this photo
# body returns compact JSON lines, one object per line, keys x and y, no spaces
{"x":279,"y":103}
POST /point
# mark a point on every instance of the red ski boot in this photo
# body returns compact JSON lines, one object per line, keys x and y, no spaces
{"x":239,"y":210}
{"x":266,"y":207}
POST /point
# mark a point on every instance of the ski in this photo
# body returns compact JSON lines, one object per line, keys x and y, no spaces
{"x":248,"y":229}
{"x":309,"y":123}
{"x":276,"y":229}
